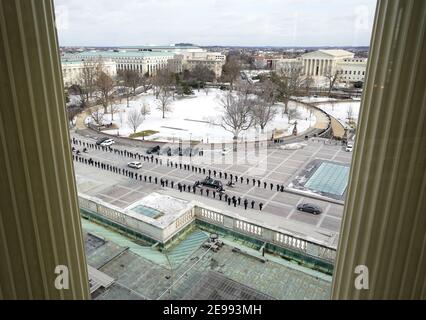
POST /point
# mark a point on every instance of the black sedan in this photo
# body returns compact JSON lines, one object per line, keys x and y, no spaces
{"x":154,"y":150}
{"x":210,"y":183}
{"x":309,"y":208}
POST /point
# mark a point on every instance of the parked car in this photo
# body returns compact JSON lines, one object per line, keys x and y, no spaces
{"x":154,"y":150}
{"x":210,"y":183}
{"x":101,"y":140}
{"x":107,"y":143}
{"x":309,"y":208}
{"x":349,"y":147}
{"x":135,"y":165}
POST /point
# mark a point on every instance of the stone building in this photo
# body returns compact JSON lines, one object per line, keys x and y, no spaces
{"x":319,"y":64}
{"x":72,"y":70}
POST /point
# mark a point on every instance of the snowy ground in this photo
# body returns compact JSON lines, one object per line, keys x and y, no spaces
{"x":340,"y":110}
{"x":198,"y":118}
{"x":314,"y":99}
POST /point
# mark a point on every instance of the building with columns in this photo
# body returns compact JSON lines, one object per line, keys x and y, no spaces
{"x":145,"y":62}
{"x":72,"y":69}
{"x":321,"y":63}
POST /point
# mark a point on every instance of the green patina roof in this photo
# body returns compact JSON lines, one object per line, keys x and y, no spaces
{"x":111,"y":54}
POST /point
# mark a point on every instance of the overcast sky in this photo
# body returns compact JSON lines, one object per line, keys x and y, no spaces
{"x":215,"y":22}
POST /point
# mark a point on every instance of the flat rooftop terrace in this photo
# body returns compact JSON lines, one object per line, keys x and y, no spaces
{"x":192,"y":272}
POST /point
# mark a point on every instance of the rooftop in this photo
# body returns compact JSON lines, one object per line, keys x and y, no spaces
{"x":114,"y":54}
{"x":191,"y":272}
{"x":337,"y":52}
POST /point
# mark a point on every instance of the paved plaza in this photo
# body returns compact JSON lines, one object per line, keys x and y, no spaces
{"x":270,"y":166}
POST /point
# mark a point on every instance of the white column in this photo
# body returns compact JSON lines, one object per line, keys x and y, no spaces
{"x":384,"y":225}
{"x":40,"y":226}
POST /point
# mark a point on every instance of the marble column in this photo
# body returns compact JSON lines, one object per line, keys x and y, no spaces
{"x":40,"y":227}
{"x":382,"y":251}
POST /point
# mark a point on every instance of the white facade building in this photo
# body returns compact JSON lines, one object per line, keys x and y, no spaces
{"x":143,"y":62}
{"x":72,"y":69}
{"x":319,"y":64}
{"x":149,"y":60}
{"x":188,"y":61}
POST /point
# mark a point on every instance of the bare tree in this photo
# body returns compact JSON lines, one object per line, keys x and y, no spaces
{"x":113,"y":110}
{"x":164,"y":80}
{"x":293,"y":113}
{"x":264,"y":109}
{"x":237,"y":113}
{"x":308,"y":82}
{"x":333,"y":78}
{"x":145,"y":110}
{"x":78,"y":91}
{"x":145,"y":83}
{"x":288,"y":82}
{"x":88,"y":76}
{"x":97,"y":116}
{"x":231,"y":70}
{"x":134,"y":119}
{"x":72,"y":112}
{"x":105,"y":85}
{"x":131,"y":78}
{"x":202,"y":74}
{"x":164,"y":101}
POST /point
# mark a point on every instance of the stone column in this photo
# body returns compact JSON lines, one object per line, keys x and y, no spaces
{"x":40,"y":227}
{"x":384,"y":227}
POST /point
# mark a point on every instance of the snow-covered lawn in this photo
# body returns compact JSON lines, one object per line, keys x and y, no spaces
{"x":341,"y":110}
{"x":198,"y":118}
